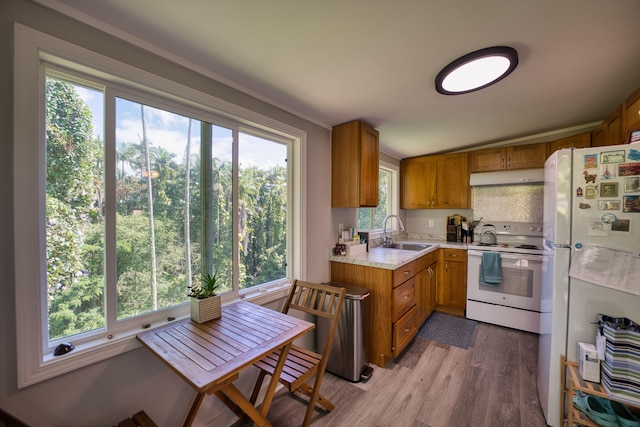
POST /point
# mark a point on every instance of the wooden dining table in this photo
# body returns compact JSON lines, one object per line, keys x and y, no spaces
{"x":211,"y":355}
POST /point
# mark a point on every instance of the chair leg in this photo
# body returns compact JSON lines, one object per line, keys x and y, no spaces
{"x":194,"y":409}
{"x":256,"y":388}
{"x":307,"y":390}
{"x":314,"y":397}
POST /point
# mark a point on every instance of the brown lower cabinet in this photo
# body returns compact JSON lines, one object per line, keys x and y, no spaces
{"x":452,"y":295}
{"x":402,"y":299}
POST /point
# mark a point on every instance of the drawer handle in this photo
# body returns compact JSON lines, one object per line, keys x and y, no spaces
{"x":407,"y":329}
{"x":406,"y":273}
{"x":406,"y":296}
{"x":453,"y":255}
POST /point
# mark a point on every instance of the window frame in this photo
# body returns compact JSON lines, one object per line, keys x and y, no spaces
{"x":393,"y":197}
{"x":31,"y":48}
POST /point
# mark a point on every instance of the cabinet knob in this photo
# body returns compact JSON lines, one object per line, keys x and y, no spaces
{"x":406,"y":297}
{"x":407,"y":329}
{"x":406,"y":273}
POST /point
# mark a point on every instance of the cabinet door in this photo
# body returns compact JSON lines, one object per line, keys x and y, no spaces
{"x":354,"y":165}
{"x":598,"y":137}
{"x":432,"y":287}
{"x":454,"y":286}
{"x":631,"y":114}
{"x":610,"y":131}
{"x":369,"y":166}
{"x":417,"y":183}
{"x":491,"y":159}
{"x":422,"y":295}
{"x":452,"y":181}
{"x":526,"y":156}
{"x":582,"y":140}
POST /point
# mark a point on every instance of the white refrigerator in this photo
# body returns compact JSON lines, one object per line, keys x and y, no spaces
{"x":591,"y":225}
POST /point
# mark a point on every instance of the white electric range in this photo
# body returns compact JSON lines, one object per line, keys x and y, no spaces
{"x":515,"y":302}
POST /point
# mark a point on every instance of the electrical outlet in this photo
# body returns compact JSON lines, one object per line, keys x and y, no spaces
{"x":430,"y":223}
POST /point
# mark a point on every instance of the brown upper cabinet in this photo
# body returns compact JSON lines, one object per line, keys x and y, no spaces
{"x":435,"y":182}
{"x":610,"y":130}
{"x":615,"y":128}
{"x":631,"y":114}
{"x":354,"y":165}
{"x":515,"y":157}
{"x":582,"y":140}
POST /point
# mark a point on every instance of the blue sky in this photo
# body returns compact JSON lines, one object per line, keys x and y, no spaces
{"x":169,"y":131}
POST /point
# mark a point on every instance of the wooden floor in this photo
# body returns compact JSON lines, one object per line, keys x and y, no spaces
{"x":493,"y":383}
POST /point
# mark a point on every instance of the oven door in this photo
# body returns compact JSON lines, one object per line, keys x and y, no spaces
{"x":521,"y":281}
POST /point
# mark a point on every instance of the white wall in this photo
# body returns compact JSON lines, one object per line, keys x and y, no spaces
{"x":106,"y":392}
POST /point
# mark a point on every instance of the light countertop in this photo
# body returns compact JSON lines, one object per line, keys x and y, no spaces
{"x":390,"y":259}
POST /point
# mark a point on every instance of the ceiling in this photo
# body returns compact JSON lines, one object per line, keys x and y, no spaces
{"x":332,"y":61}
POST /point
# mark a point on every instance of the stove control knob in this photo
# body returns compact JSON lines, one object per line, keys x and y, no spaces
{"x":532,"y":228}
{"x":539,"y":229}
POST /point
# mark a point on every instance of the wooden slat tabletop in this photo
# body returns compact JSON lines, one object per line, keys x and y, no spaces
{"x":206,"y":354}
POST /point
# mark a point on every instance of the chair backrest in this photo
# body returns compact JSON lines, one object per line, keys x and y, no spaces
{"x":314,"y":298}
{"x":320,"y":300}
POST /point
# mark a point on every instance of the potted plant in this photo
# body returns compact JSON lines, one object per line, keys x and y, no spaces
{"x":205,"y":303}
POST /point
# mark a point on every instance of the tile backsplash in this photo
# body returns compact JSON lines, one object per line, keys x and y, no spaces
{"x":516,"y":203}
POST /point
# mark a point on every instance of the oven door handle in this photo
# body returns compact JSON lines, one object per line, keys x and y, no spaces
{"x":504,"y":255}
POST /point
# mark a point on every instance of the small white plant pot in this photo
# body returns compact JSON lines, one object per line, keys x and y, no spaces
{"x":203,"y":310}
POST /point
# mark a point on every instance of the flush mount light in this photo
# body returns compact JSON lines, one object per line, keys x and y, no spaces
{"x":477,"y":70}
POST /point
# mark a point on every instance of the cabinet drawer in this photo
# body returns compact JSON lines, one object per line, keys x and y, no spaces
{"x":426,"y":260}
{"x":404,"y":330}
{"x":402,"y":274}
{"x":455,"y":255}
{"x":404,"y":297}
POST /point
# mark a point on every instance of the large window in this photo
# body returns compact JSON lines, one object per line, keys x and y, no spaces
{"x":160,"y":211}
{"x":135,"y":194}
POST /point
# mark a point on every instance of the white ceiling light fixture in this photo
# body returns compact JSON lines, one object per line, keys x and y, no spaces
{"x":477,"y":70}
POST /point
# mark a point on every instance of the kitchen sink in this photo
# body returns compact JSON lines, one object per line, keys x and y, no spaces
{"x":408,"y":246}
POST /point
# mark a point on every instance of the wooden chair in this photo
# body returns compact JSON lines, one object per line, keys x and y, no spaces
{"x":302,"y":364}
{"x":139,"y":419}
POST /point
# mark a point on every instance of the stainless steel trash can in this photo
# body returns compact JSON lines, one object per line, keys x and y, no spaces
{"x":349,"y":358}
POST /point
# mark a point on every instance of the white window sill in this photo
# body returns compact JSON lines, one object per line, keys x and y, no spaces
{"x":103,"y":348}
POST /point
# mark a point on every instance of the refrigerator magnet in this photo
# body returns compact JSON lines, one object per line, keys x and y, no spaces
{"x":590,"y":192}
{"x":590,"y":161}
{"x":609,"y":189}
{"x":608,"y":218}
{"x":632,"y":184}
{"x":579,"y":192}
{"x":589,"y":177}
{"x":609,"y":205}
{"x":621,"y":225}
{"x":608,"y":172}
{"x":631,"y":204}
{"x":612,"y":156}
{"x":597,"y":228}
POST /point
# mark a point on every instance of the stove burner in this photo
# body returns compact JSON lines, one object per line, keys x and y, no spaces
{"x":527,"y":247}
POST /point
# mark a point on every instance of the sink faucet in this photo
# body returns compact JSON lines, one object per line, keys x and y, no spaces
{"x":387,"y":240}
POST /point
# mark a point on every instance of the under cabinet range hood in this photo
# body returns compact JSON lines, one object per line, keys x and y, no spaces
{"x":507,"y":177}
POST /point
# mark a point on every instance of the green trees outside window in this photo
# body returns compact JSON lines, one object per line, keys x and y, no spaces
{"x":373,"y":218}
{"x":144,"y":200}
